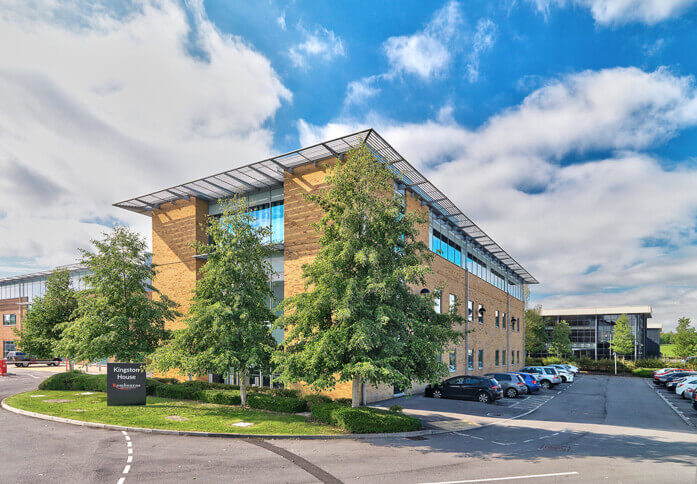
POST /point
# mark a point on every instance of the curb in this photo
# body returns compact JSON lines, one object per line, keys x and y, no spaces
{"x":191,"y":433}
{"x":675,"y":409}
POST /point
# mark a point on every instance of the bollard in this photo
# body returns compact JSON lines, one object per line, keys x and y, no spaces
{"x":3,"y":367}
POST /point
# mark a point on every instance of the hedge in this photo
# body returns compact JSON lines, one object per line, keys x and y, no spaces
{"x":276,"y":404}
{"x":363,"y":420}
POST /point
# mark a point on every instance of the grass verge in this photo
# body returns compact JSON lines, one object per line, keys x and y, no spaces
{"x":169,"y":414}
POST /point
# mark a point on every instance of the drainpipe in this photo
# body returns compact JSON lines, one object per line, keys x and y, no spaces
{"x":467,"y":314}
{"x":508,"y":326}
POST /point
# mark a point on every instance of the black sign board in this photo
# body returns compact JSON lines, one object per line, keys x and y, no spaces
{"x":125,"y":384}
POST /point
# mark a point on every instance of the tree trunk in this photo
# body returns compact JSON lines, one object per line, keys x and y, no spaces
{"x":356,"y":394}
{"x":243,"y":387}
{"x":71,"y":364}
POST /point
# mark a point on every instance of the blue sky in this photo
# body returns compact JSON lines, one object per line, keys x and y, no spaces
{"x":565,"y":128}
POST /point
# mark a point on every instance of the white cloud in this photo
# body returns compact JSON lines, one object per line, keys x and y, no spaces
{"x":608,"y":12}
{"x":484,"y":38}
{"x":320,"y":43}
{"x":361,"y":90}
{"x":560,"y":219}
{"x":281,"y":21}
{"x":97,"y":106}
{"x":427,"y":53}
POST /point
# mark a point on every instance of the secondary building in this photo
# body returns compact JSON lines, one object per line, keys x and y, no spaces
{"x":592,"y":329}
{"x":474,"y":268}
{"x":18,"y":292}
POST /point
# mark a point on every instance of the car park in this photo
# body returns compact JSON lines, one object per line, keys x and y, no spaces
{"x":512,"y":384}
{"x":547,"y":376}
{"x":673,"y":375}
{"x":467,"y":387}
{"x":530,"y":382}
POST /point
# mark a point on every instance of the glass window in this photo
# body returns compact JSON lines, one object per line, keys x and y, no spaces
{"x":9,"y":319}
{"x":480,"y":361}
{"x":517,"y":357}
{"x":8,"y":346}
{"x":470,"y":310}
{"x":496,"y":358}
{"x":277,"y":229}
{"x":513,"y":357}
{"x":452,"y":363}
{"x":436,"y":304}
{"x":480,"y":314}
{"x":512,"y":324}
{"x":503,"y":357}
{"x":470,"y":359}
{"x":451,"y":302}
{"x":496,"y":317}
{"x":503,"y":321}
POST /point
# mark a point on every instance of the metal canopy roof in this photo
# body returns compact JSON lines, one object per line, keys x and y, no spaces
{"x":269,"y":173}
{"x":70,"y":268}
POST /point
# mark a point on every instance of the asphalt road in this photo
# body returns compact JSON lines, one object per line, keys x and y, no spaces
{"x":601,"y":429}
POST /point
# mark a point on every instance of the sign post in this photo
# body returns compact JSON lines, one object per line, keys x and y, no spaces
{"x":125,"y":384}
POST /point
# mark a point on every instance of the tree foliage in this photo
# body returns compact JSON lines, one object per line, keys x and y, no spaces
{"x":228,"y":325}
{"x":42,"y":326}
{"x":622,"y":337}
{"x":361,"y":318}
{"x":561,"y":340}
{"x":685,"y":339}
{"x":116,"y":317}
{"x":667,"y":338}
{"x":536,"y":337}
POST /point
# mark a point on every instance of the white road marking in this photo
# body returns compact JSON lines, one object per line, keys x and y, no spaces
{"x":126,"y":469}
{"x":529,"y":440}
{"x":129,"y":460}
{"x":124,"y":432}
{"x":130,"y":451}
{"x":128,"y":438}
{"x":121,"y":481}
{"x":129,"y":444}
{"x":511,"y":478}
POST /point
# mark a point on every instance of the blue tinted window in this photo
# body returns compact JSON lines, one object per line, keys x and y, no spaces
{"x":277,"y":222}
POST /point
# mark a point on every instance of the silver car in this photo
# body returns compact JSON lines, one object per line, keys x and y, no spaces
{"x":512,"y":384}
{"x":548,"y":377}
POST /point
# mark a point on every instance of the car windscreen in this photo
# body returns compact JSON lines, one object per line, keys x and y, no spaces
{"x":550,"y":371}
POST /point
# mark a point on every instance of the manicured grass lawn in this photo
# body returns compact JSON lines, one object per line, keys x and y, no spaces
{"x":202,"y":417}
{"x":667,"y":350}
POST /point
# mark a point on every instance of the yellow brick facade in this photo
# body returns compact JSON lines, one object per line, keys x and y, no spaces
{"x":177,"y":225}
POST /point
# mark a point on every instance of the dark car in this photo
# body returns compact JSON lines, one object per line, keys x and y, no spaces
{"x":664,"y":379}
{"x":483,"y":389}
{"x":694,"y":400}
{"x":531,"y":382}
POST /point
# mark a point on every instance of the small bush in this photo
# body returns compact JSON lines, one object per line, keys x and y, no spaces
{"x":395,"y":408}
{"x":316,"y":399}
{"x":276,"y":404}
{"x":650,"y":363}
{"x":74,"y":380}
{"x":178,"y":391}
{"x":643,"y":372}
{"x":222,"y":397}
{"x":204,"y":385}
{"x":162,"y":379}
{"x":363,"y":420}
{"x":344,"y":401}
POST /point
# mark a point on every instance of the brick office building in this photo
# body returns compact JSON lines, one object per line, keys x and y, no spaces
{"x":473,"y":267}
{"x":18,"y":292}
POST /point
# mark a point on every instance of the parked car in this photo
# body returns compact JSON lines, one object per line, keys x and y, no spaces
{"x":19,"y":358}
{"x":512,"y":384}
{"x":663,"y":371}
{"x":686,"y":387}
{"x":570,"y":367}
{"x":548,"y":377}
{"x":566,"y":375}
{"x":483,"y":389}
{"x":673,"y":375}
{"x":694,"y":399}
{"x":530,"y":382}
{"x":672,"y":384}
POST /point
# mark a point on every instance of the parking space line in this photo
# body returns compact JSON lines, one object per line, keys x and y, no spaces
{"x":509,"y":478}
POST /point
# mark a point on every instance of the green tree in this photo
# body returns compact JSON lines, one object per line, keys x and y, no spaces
{"x":361,"y":317}
{"x":685,"y":339}
{"x":116,"y":315}
{"x":560,"y":345}
{"x":536,"y":337}
{"x":667,"y":338}
{"x":42,"y":325}
{"x":622,"y":337}
{"x":228,"y":325}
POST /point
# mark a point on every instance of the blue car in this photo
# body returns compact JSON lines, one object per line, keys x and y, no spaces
{"x":530,"y":381}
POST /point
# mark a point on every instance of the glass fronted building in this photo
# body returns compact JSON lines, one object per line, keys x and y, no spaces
{"x":592,"y":329}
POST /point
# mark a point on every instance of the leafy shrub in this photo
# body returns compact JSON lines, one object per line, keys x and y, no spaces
{"x":344,"y":401}
{"x":178,"y":391}
{"x":316,"y":399}
{"x":74,"y":380}
{"x":650,"y":363}
{"x":278,"y":392}
{"x":395,"y":408}
{"x":162,"y":379}
{"x":222,"y":397}
{"x":363,"y":420}
{"x":204,"y":385}
{"x":151,"y":384}
{"x":276,"y":404}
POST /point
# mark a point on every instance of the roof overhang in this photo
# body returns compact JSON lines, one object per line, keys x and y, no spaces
{"x":599,"y":311}
{"x":269,"y":173}
{"x":70,"y":268}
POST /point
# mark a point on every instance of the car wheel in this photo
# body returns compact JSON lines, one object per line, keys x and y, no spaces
{"x":529,"y":390}
{"x":545,"y":384}
{"x":511,"y":393}
{"x":437,"y":394}
{"x":563,"y":379}
{"x":484,"y":397}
